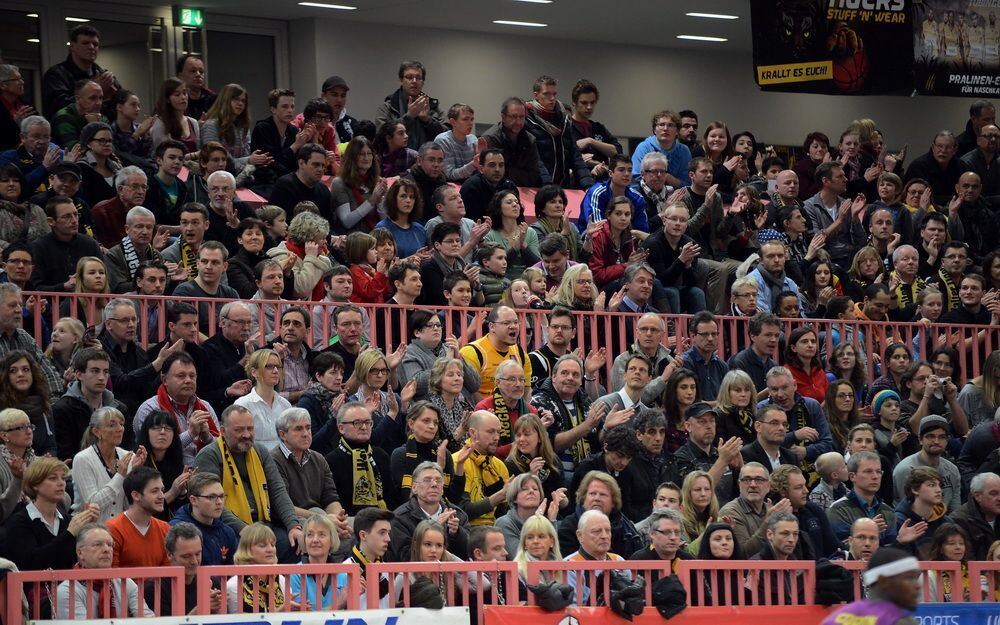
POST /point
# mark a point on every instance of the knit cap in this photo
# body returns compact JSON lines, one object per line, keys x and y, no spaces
{"x":880,"y":398}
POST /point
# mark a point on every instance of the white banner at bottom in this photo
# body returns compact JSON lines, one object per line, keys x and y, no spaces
{"x":402,"y":616}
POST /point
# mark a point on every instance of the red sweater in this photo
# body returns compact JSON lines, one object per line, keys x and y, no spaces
{"x":810,"y":384}
{"x":606,"y":262}
{"x":132,"y":549}
{"x":369,"y":288}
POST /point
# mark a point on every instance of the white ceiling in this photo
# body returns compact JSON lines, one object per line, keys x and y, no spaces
{"x":638,"y":22}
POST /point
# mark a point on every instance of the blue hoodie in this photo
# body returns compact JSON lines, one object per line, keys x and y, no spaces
{"x":218,"y":540}
{"x":678,"y":158}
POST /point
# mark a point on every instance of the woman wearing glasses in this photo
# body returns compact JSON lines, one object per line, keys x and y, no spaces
{"x":98,"y":163}
{"x":388,"y":408}
{"x":15,"y":450}
{"x":266,"y":369}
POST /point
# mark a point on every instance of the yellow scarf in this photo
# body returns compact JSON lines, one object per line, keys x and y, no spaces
{"x":236,"y":494}
{"x":368,"y":489}
{"x":189,"y":259}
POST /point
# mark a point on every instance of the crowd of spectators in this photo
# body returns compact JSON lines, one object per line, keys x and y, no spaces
{"x":283,"y":418}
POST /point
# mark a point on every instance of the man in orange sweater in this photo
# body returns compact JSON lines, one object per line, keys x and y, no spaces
{"x":138,"y":535}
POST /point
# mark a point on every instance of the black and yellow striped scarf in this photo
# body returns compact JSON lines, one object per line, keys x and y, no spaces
{"x":368,"y":487}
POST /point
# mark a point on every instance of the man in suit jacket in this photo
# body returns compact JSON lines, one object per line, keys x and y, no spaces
{"x":770,"y":423}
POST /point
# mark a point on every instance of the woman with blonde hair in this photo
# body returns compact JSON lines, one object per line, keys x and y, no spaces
{"x":265,"y":369}
{"x":321,"y":541}
{"x":866,"y":269}
{"x":91,"y":277}
{"x":388,"y":408}
{"x":538,"y":542}
{"x":735,"y":406}
{"x":16,"y":455}
{"x":258,"y":593}
{"x":445,"y":393}
{"x":699,"y":506}
{"x":100,"y":468}
{"x":67,"y":337}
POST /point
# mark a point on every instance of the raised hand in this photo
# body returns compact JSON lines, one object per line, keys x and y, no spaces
{"x":710,"y":194}
{"x":618,"y":417}
{"x":954,"y":205}
{"x":536,"y":465}
{"x":392,"y":360}
{"x":442,"y":454}
{"x":617,"y":297}
{"x":599,"y":302}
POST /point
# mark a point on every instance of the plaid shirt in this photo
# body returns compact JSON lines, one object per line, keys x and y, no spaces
{"x":23,"y":341}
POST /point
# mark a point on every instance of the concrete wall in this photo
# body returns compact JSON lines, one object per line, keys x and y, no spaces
{"x":483,"y":69}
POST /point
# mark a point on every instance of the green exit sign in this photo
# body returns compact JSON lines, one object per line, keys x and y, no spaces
{"x":190,"y":17}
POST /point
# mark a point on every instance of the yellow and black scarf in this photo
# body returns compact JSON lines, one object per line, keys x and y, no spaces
{"x":483,"y":482}
{"x":236,"y":494}
{"x":581,"y":448}
{"x":266,"y":587}
{"x":189,"y":259}
{"x":368,"y":489}
{"x":503,"y":414}
{"x":906,"y":294}
{"x":362,"y":561}
{"x":950,"y":291}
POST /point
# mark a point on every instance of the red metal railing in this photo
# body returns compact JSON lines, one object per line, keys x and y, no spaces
{"x":933,"y":590}
{"x":41,"y":586}
{"x":210,"y":577}
{"x":388,"y":322}
{"x":748,"y":582}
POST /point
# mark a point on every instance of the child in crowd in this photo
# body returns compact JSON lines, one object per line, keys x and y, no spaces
{"x":832,"y":471}
{"x":492,"y":259}
{"x":276,"y":222}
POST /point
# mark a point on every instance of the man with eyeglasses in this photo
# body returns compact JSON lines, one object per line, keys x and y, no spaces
{"x":519,"y":147}
{"x":110,"y":215}
{"x":307,"y":475}
{"x":665,"y":530}
{"x":652,"y":186}
{"x":94,"y":550}
{"x":864,"y":470}
{"x":65,"y":180}
{"x":983,"y":160}
{"x":674,"y":257}
{"x":703,"y":357}
{"x":771,"y":424}
{"x":360,"y":471}
{"x":206,"y":501}
{"x":254,"y":489}
{"x":808,"y":431}
{"x":561,"y":333}
{"x":305,"y":183}
{"x":37,"y":156}
{"x":500,"y":343}
{"x":427,"y":502}
{"x":666,"y":126}
{"x":934,"y":433}
{"x":420,"y":113}
{"x":751,"y":510}
{"x":229,"y":348}
{"x":57,"y":253}
{"x":446,"y":240}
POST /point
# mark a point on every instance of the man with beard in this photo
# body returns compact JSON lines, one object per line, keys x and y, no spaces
{"x":481,"y":186}
{"x":137,"y":533}
{"x":788,"y":482}
{"x":701,"y":453}
{"x":934,"y":433}
{"x":977,"y":216}
{"x":360,"y":471}
{"x":485,"y":474}
{"x":770,"y":276}
{"x":650,"y":466}
{"x":254,"y":489}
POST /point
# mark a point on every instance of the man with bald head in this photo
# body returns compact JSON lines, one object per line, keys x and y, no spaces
{"x":786,"y":193}
{"x":593,"y":531}
{"x":976,"y":216}
{"x":485,"y":474}
{"x":863,"y":541}
{"x":983,"y":161}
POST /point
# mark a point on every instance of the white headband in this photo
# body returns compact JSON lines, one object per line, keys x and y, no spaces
{"x":890,"y":569}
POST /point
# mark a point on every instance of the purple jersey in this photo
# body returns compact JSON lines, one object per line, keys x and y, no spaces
{"x":867,"y":612}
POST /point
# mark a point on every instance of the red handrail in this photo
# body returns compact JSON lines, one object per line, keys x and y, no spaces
{"x":594,"y":329}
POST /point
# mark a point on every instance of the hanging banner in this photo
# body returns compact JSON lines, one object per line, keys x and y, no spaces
{"x":402,"y":616}
{"x":956,"y":47}
{"x":836,"y":47}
